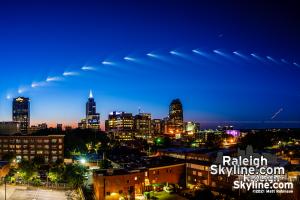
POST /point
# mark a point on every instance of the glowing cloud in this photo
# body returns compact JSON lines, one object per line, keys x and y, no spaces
{"x":70,"y":73}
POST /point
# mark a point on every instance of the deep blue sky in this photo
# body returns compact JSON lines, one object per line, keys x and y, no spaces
{"x":39,"y":39}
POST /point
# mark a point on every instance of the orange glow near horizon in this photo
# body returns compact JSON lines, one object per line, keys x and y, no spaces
{"x":64,"y":123}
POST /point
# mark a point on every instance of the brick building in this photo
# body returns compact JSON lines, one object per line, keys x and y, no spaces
{"x":51,"y":147}
{"x":111,"y":185}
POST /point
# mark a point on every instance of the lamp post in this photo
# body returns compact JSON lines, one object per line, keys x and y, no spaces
{"x":4,"y":187}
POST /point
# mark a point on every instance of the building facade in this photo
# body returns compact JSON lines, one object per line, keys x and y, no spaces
{"x":21,"y":113}
{"x":174,"y":123}
{"x":92,"y":118}
{"x":192,"y":128}
{"x":115,"y":184}
{"x":50,"y":147}
{"x":156,"y":127}
{"x":121,"y":125}
{"x":9,"y":128}
{"x":142,"y":125}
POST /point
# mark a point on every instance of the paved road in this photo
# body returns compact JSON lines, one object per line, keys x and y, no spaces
{"x":21,"y":193}
{"x":37,"y":195}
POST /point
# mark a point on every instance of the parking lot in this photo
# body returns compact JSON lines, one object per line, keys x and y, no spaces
{"x":22,"y":193}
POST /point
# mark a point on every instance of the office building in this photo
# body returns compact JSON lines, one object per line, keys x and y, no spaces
{"x":121,"y":125}
{"x":175,"y":120}
{"x":9,"y":128}
{"x":192,"y":128}
{"x":51,"y":147}
{"x":116,"y":184}
{"x":156,"y":127}
{"x":92,"y":118}
{"x":142,"y":125}
{"x":21,"y":113}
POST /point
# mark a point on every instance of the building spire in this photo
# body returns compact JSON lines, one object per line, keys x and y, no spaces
{"x":91,"y":94}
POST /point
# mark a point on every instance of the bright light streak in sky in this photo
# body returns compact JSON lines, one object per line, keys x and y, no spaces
{"x":277,"y":113}
{"x":296,"y":64}
{"x":54,"y":78}
{"x":88,"y":68}
{"x":151,"y":55}
{"x":272,"y":59}
{"x":129,"y":58}
{"x":284,"y":61}
{"x":228,"y":57}
{"x":107,"y":63}
{"x":257,"y":57}
{"x":21,"y":90}
{"x":240,"y":55}
{"x":173,"y":52}
{"x":34,"y":85}
{"x":69,"y":73}
{"x":201,"y":53}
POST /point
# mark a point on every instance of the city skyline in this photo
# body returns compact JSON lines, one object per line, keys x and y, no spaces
{"x":219,"y":72}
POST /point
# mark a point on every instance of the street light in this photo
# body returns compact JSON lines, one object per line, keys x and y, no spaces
{"x":82,"y":161}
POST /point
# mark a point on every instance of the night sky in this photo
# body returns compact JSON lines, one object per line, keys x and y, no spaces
{"x":219,"y":82}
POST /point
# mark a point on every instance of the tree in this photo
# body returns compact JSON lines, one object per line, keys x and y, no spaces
{"x":25,"y":170}
{"x":55,"y":174}
{"x":74,"y":175}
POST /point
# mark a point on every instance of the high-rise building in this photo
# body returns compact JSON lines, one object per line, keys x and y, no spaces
{"x":92,"y":118}
{"x":156,"y":126}
{"x":175,"y":121}
{"x":192,"y":128}
{"x":121,"y":124}
{"x":9,"y":128}
{"x":21,"y":112}
{"x":142,"y":125}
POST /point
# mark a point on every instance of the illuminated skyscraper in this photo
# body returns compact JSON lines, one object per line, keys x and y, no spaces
{"x":175,"y":121}
{"x":121,"y":124}
{"x":21,"y":113}
{"x":90,"y":105}
{"x":142,"y":125}
{"x":92,"y":118}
